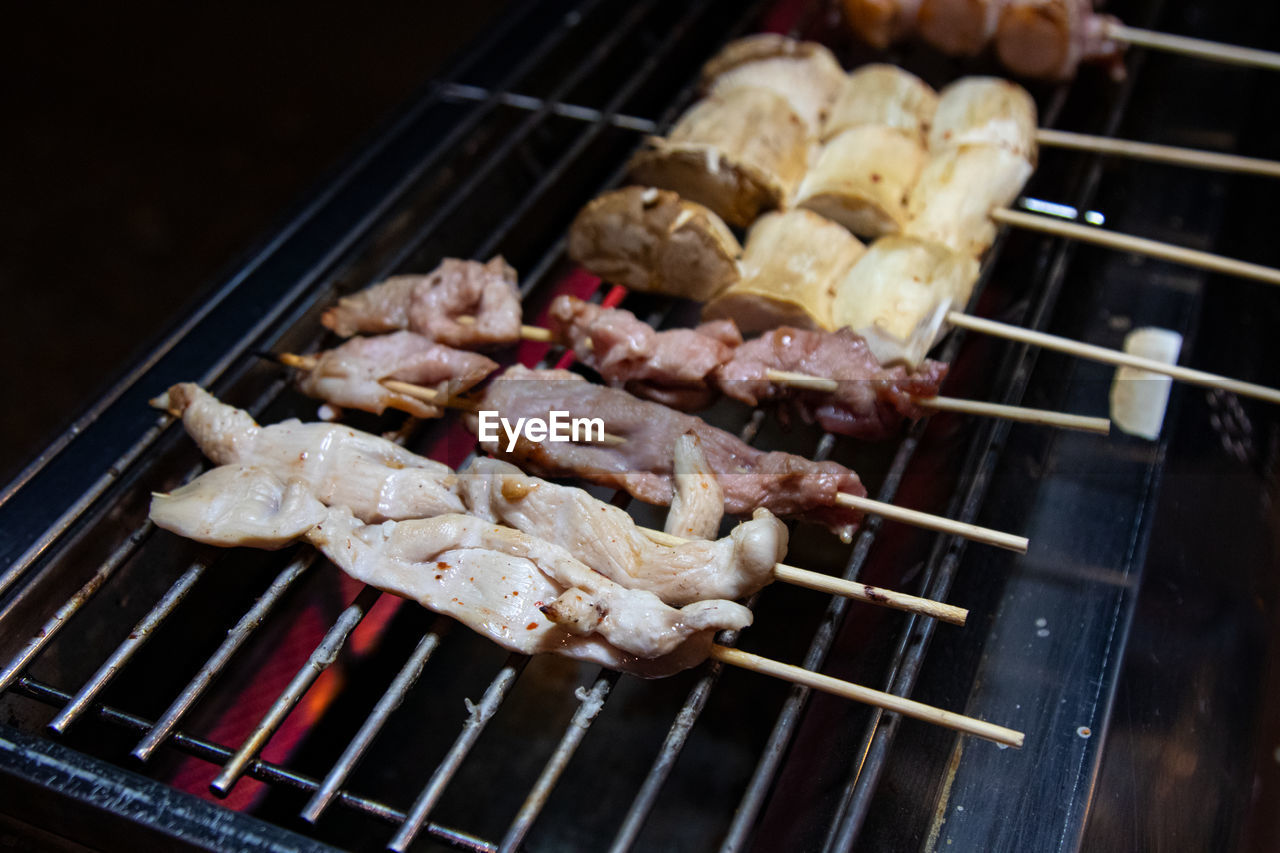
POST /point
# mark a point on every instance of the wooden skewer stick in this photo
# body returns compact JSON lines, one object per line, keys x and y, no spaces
{"x":974,"y":532}
{"x":529,"y":333}
{"x":1110,"y":356}
{"x":1216,"y":51}
{"x":1049,"y":138}
{"x":916,"y":518}
{"x":849,"y":589}
{"x":858,"y":693}
{"x":1140,"y":245}
{"x":968,"y":407}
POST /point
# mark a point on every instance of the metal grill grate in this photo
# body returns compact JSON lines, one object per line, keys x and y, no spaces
{"x":495,"y":159}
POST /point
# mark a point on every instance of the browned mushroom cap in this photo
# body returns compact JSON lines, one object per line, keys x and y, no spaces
{"x":805,"y":73}
{"x":897,"y":294}
{"x":790,"y":268}
{"x":882,"y":95}
{"x":651,"y":240}
{"x":739,"y":153}
{"x":862,"y":179}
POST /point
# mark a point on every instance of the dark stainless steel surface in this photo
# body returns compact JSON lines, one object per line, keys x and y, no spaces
{"x":1066,"y":643}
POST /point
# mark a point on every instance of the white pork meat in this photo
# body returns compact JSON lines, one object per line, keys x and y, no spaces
{"x":340,"y":466}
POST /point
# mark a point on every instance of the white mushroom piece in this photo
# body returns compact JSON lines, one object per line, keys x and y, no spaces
{"x":790,"y":269}
{"x":981,"y":153}
{"x":805,"y":73}
{"x":740,"y":153}
{"x":882,"y":95}
{"x":653,"y":241}
{"x":873,"y":153}
{"x":862,"y":180}
{"x":898,"y":294}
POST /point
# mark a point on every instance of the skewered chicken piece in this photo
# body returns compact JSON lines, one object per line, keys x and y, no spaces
{"x":786,"y":485}
{"x":601,"y":535}
{"x":524,"y":593}
{"x":588,"y":618}
{"x":431,"y":305}
{"x":607,"y":539}
{"x":697,"y":504}
{"x":377,"y":479}
{"x":703,"y":507}
{"x":352,"y":374}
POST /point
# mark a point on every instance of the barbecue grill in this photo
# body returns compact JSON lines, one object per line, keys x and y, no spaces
{"x":1135,"y":644}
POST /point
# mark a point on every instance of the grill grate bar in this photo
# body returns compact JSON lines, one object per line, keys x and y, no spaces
{"x":404,"y":681}
{"x":136,"y":639}
{"x":320,"y":660}
{"x":592,"y":702}
{"x":643,"y":802}
{"x":465,"y":92}
{"x":263,"y":771}
{"x":477,"y":175}
{"x":471,"y":730}
{"x":681,"y":726}
{"x":72,"y":605}
{"x":213,"y":666}
{"x":619,"y":98}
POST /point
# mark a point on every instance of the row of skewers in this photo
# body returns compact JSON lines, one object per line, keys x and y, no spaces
{"x":1047,"y":39}
{"x":861,"y":380}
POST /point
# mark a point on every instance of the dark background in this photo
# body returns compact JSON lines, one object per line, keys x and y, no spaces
{"x":147,"y":147}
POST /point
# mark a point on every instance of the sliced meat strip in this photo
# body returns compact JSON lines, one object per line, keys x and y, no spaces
{"x":525,"y":594}
{"x":785,"y":484}
{"x":670,"y":366}
{"x":697,"y":506}
{"x":871,"y":401}
{"x":607,"y":540}
{"x":377,"y":479}
{"x":434,"y":305}
{"x":351,"y":375}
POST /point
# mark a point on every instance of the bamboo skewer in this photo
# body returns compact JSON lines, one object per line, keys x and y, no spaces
{"x":916,"y":518}
{"x":1093,"y":352}
{"x":1049,"y":138}
{"x":848,"y":589}
{"x":1044,"y":417}
{"x":1140,"y":245}
{"x":858,"y":693}
{"x":1201,"y":48}
{"x":985,"y":535}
